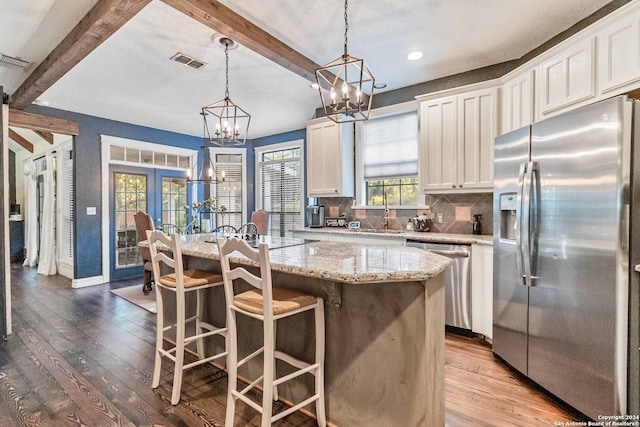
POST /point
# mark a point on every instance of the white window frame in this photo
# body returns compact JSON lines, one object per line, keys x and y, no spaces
{"x":288,"y":145}
{"x":392,"y":110}
{"x":243,"y":153}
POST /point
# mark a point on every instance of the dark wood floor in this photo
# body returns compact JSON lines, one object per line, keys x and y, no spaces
{"x":84,"y":357}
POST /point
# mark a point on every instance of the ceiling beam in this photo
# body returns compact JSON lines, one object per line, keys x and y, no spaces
{"x":36,"y":122}
{"x":47,"y":136}
{"x":104,"y":19}
{"x":227,"y":22}
{"x":20,"y":140}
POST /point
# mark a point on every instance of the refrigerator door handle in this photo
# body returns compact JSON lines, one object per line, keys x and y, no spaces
{"x":518,"y":229}
{"x":526,"y":230}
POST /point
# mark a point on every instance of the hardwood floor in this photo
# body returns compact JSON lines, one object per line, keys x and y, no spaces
{"x":84,"y":357}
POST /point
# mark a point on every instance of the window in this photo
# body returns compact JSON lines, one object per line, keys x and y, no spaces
{"x":389,"y":161}
{"x":230,"y":192}
{"x":174,"y":198}
{"x":279,"y":173}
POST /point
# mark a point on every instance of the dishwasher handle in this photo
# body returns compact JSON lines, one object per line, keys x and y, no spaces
{"x":456,"y":254}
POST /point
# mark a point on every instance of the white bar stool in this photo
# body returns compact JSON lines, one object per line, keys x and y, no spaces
{"x":267,"y":304}
{"x":180,"y":282}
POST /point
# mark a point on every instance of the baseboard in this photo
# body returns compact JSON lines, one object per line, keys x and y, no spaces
{"x":87,"y":281}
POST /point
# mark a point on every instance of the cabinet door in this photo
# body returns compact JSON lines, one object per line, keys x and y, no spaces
{"x":567,"y":78}
{"x":438,"y":144}
{"x":477,"y":127}
{"x":518,"y":101}
{"x":619,"y":54}
{"x":482,"y":290}
{"x":323,"y":145}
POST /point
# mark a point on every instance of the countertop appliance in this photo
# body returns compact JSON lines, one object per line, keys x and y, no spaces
{"x":457,"y":281}
{"x":315,"y":216}
{"x":566,"y":229}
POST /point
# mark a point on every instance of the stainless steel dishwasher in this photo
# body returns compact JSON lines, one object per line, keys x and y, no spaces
{"x":457,"y":281}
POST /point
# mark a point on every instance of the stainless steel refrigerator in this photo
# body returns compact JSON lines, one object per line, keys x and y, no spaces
{"x":566,"y":220}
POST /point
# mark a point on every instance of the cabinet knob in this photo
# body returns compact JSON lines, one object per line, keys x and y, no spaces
{"x":460,"y":186}
{"x":453,"y":186}
{"x":335,"y":190}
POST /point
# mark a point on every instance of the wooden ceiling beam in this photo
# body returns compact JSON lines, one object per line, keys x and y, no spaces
{"x":104,"y":19}
{"x":20,"y":140}
{"x":47,"y":136}
{"x":37,"y":122}
{"x":225,"y":21}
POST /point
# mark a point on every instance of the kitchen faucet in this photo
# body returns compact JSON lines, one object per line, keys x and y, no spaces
{"x":385,"y":223}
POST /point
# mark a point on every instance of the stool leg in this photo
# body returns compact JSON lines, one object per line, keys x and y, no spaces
{"x":159,"y":338}
{"x":319,"y":320}
{"x":199,"y":311}
{"x":268,"y":366}
{"x":177,"y":374}
{"x":231,"y":343}
{"x":275,"y":340}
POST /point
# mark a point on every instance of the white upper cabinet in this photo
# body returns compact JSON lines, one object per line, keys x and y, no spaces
{"x":456,"y":141}
{"x":330,"y":159}
{"x":619,"y":54}
{"x":518,"y":101}
{"x":438,"y":144}
{"x":567,"y":78}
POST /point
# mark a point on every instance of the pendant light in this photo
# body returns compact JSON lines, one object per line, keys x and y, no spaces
{"x":203,"y":171}
{"x":346,"y":85}
{"x":225,"y":123}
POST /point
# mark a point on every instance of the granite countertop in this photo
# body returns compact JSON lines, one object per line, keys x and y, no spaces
{"x":464,"y":239}
{"x":351,"y":263}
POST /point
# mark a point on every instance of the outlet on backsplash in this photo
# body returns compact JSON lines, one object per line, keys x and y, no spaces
{"x":440,"y":218}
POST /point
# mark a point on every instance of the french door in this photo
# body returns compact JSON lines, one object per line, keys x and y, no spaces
{"x":161,"y":193}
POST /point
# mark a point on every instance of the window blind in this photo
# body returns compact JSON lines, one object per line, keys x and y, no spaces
{"x":229,"y":193}
{"x":280,"y":189}
{"x":390,"y":147}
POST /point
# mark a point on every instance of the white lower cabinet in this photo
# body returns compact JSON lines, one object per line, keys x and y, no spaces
{"x":482,"y":290}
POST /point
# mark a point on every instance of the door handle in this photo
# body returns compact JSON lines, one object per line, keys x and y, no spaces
{"x":518,"y":230}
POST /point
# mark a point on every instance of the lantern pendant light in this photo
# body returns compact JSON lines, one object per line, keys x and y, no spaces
{"x":346,"y":85}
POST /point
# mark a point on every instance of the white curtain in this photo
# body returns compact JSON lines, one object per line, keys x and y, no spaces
{"x":47,"y":259}
{"x":30,"y":213}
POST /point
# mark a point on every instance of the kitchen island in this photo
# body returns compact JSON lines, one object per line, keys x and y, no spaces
{"x":384,"y":316}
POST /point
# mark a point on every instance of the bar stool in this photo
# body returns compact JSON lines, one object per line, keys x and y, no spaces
{"x":267,"y":304}
{"x":180,"y":282}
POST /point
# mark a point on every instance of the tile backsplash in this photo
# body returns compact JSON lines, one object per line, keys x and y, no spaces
{"x":456,"y":210}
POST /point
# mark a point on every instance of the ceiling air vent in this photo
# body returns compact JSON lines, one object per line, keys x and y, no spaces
{"x":16,"y":62}
{"x":187,"y":60}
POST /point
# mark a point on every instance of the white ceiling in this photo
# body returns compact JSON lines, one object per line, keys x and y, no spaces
{"x":130,"y":78}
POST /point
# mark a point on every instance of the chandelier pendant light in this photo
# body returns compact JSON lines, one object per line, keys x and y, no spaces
{"x":346,"y":85}
{"x":225,"y":123}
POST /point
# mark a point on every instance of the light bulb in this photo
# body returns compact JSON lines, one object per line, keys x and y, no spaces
{"x":333,"y":95}
{"x":210,"y":172}
{"x":358,"y":94}
{"x":189,"y":174}
{"x":223,"y":174}
{"x":345,"y":89}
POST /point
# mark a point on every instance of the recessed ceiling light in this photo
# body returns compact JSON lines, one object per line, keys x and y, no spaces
{"x":314,"y":85}
{"x":414,"y":56}
{"x":380,"y":85}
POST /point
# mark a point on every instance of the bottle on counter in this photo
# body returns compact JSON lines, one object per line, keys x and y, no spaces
{"x":410,"y":225}
{"x":477,"y":226}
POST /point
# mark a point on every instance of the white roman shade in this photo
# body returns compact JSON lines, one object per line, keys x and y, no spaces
{"x":390,"y":147}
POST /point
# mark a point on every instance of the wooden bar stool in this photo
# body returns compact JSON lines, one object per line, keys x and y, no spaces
{"x":180,"y":282}
{"x":267,"y":304}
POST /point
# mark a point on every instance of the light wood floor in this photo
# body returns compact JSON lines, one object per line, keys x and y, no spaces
{"x":84,"y":357}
